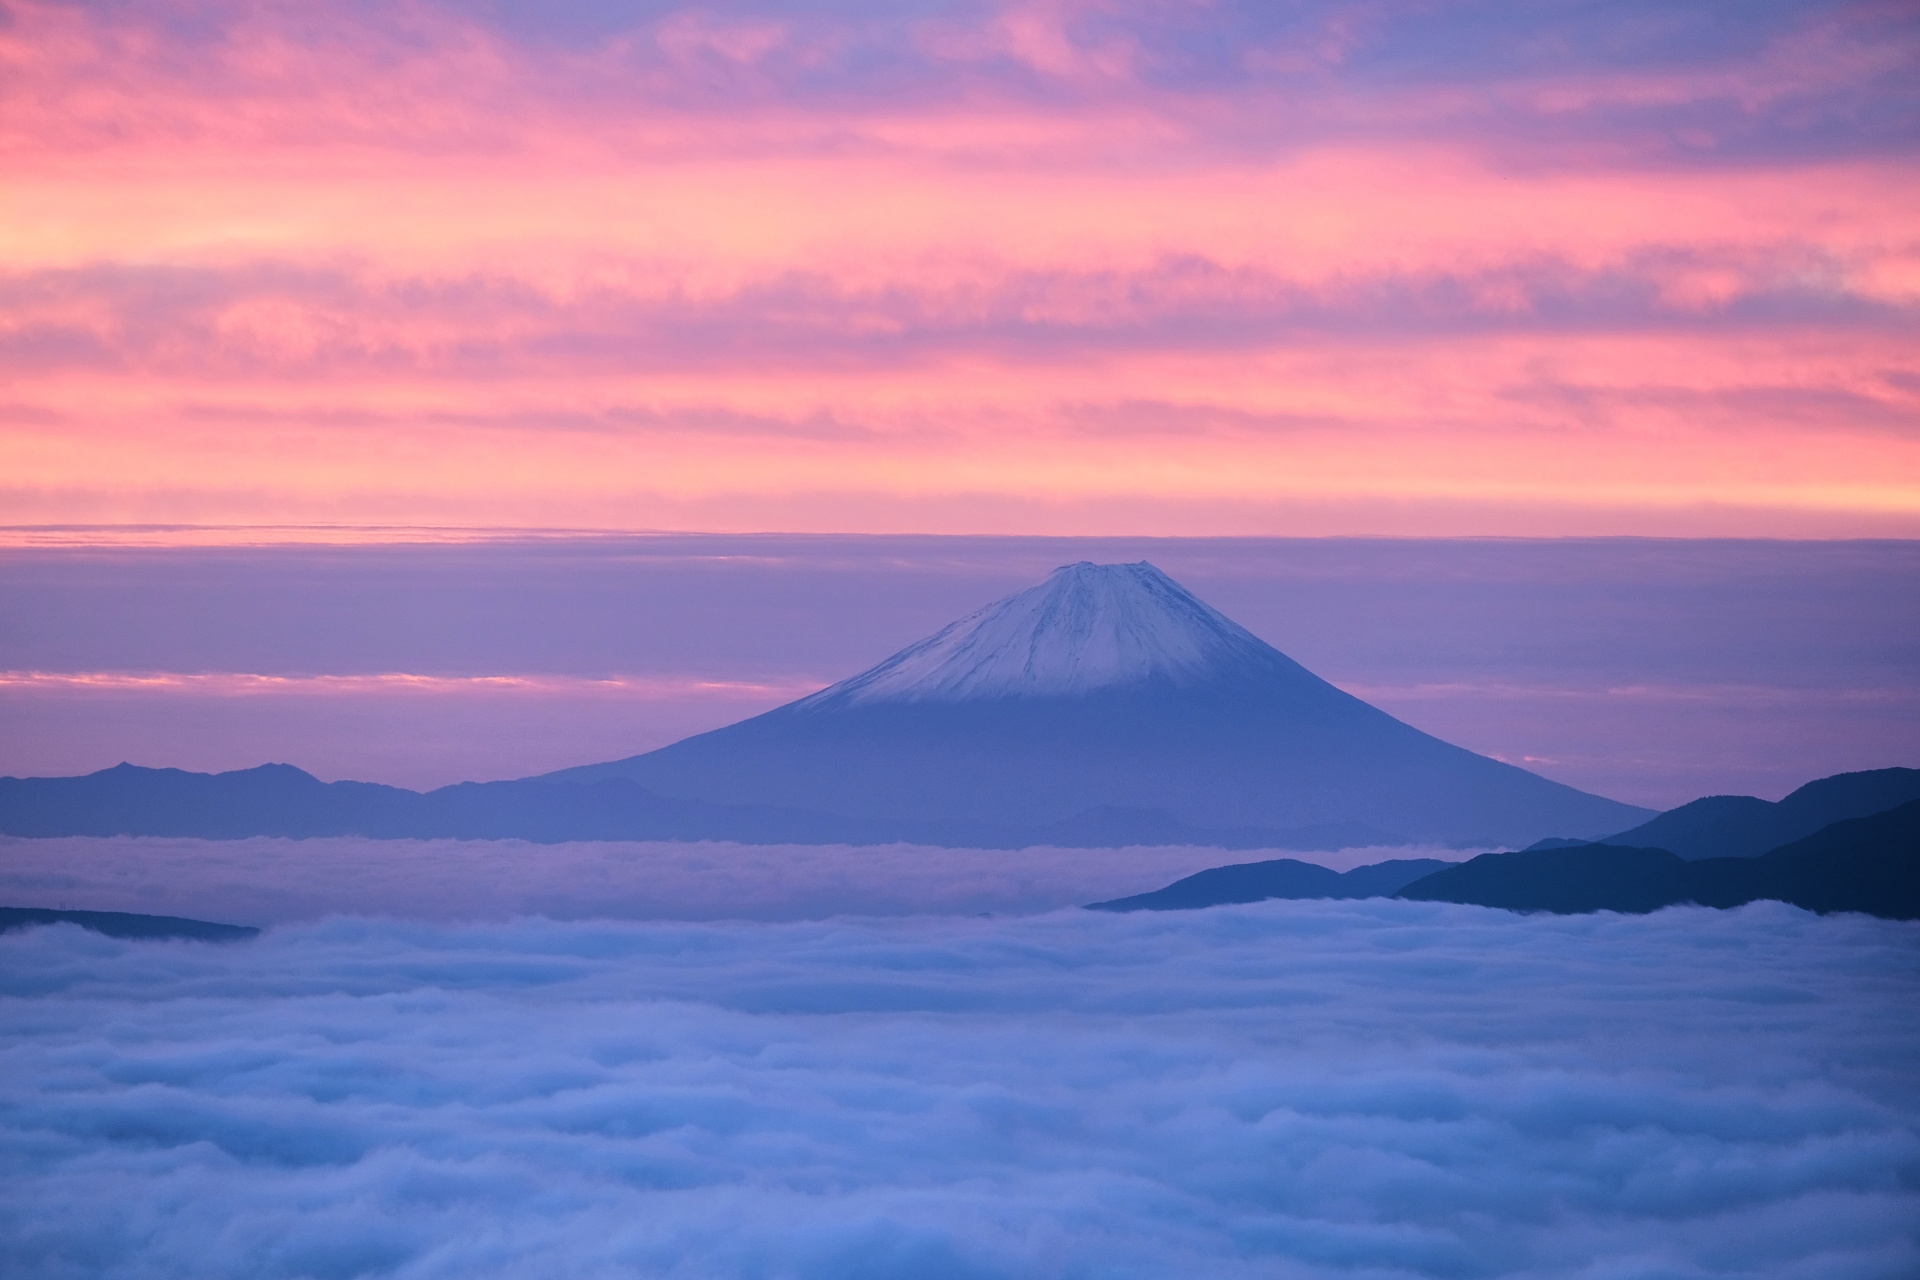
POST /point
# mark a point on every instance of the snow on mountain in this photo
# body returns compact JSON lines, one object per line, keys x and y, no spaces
{"x":1087,"y":627}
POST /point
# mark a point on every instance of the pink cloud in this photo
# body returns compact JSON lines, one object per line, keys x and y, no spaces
{"x":288,"y":320}
{"x":416,"y":264}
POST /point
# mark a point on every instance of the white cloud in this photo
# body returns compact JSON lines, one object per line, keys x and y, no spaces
{"x":1287,"y":1089}
{"x":271,"y":881}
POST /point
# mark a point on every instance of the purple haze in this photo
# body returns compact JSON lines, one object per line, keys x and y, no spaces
{"x":1651,"y":671}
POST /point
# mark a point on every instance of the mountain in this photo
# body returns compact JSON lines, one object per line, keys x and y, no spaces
{"x":1746,"y":827}
{"x":125,"y":924}
{"x":280,"y":800}
{"x":273,"y":799}
{"x":1588,"y":877}
{"x":1869,"y":865}
{"x":1109,"y":688}
{"x":1279,"y":878}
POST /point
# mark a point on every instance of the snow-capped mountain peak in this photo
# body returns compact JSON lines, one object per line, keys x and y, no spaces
{"x":1087,"y":627}
{"x":1105,"y":691}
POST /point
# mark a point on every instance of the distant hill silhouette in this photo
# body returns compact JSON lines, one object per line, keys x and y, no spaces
{"x":1279,"y":878}
{"x":1590,"y":877}
{"x":1869,"y":865}
{"x":1109,"y":687}
{"x":1746,"y":826}
{"x":280,"y":800}
{"x":123,"y":924}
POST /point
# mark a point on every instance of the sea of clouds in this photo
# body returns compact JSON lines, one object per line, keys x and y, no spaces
{"x":275,"y":881}
{"x":1351,"y":1089}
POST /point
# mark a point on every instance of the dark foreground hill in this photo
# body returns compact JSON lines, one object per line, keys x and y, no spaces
{"x":123,"y":924}
{"x":1279,"y":878}
{"x":1869,"y":865}
{"x":1746,"y":826}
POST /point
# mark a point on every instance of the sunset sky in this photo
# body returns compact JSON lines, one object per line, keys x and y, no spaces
{"x":1126,"y":268}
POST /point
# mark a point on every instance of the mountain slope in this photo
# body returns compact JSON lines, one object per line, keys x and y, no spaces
{"x":1109,"y":687}
{"x":1588,"y":877}
{"x":1277,"y":878}
{"x":1746,"y":827}
{"x":1869,"y":864}
{"x":1088,"y":627}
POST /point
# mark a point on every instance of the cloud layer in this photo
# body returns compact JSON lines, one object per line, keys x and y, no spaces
{"x":272,"y":881}
{"x":1378,"y":1089}
{"x":1000,"y":266}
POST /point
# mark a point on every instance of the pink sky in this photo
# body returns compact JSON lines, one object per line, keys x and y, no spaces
{"x":1047,"y":267}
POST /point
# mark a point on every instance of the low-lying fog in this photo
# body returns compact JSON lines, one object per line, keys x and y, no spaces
{"x":1289,"y":1089}
{"x":272,"y":881}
